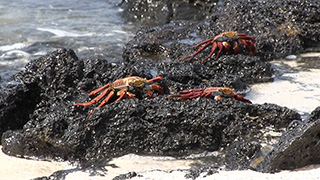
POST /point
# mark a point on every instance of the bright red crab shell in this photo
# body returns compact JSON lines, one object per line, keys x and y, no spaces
{"x":123,"y":89}
{"x":210,"y":92}
{"x":225,"y":41}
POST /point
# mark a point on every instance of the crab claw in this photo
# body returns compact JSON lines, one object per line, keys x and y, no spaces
{"x":241,"y":98}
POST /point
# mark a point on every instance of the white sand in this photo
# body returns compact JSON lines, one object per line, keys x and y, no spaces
{"x":151,"y":168}
{"x":301,"y":93}
{"x":312,"y":174}
{"x":298,"y":91}
{"x":14,"y":168}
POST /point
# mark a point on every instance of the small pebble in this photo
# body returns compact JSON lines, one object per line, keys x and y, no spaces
{"x":291,"y":57}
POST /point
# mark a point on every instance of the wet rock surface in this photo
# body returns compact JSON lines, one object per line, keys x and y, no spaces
{"x":298,"y":147}
{"x":49,"y":126}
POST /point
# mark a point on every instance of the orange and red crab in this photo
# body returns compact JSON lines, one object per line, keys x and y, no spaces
{"x":226,"y":40}
{"x":210,"y":92}
{"x":122,"y":88}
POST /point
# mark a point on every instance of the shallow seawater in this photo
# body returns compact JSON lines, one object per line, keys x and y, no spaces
{"x":30,"y":29}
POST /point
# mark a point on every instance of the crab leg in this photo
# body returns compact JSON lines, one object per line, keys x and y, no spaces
{"x":199,"y":50}
{"x":122,"y":93}
{"x":207,"y":95}
{"x":98,"y":90}
{"x":245,"y":37}
{"x":236,"y":48}
{"x":202,"y":42}
{"x":188,"y":95}
{"x":240,"y":98}
{"x":103,"y":102}
{"x":157,"y":79}
{"x":191,"y":90}
{"x":249,"y":45}
{"x":220,"y":46}
{"x":95,"y":100}
{"x":106,"y":100}
{"x":213,"y":49}
{"x":149,"y":93}
{"x":157,"y":88}
{"x":227,"y":47}
{"x":195,"y":95}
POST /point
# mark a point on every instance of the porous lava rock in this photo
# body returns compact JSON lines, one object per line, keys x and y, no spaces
{"x":281,"y":28}
{"x":164,"y":44}
{"x":240,"y":153}
{"x":156,"y":13}
{"x":299,"y":146}
{"x":49,"y":126}
{"x":157,"y":126}
{"x":13,"y":99}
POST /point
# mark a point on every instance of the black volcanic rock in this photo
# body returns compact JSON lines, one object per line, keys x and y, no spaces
{"x":157,"y":126}
{"x":156,"y":13}
{"x":281,"y":28}
{"x":299,"y":146}
{"x":240,"y":154}
{"x":154,"y":45}
{"x":17,"y":98}
{"x":37,"y":116}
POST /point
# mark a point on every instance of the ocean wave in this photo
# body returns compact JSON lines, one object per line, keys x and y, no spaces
{"x":62,"y":33}
{"x":13,"y":47}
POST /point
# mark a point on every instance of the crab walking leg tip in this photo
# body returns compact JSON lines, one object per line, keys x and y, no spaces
{"x":92,"y":111}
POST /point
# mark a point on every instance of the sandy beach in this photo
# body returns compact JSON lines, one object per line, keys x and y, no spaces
{"x":19,"y":168}
{"x":151,"y":168}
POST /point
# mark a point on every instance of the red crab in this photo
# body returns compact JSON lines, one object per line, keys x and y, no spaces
{"x":225,"y":40}
{"x":210,"y":92}
{"x":123,"y":88}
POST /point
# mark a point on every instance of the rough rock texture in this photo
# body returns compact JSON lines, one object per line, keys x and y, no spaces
{"x":240,"y":153}
{"x":160,"y":12}
{"x":37,"y":116}
{"x":299,"y":146}
{"x":158,"y":126}
{"x":154,"y":45}
{"x":281,"y":28}
{"x":13,"y":99}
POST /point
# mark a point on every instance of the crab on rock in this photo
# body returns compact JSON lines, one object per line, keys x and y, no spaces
{"x":226,"y":40}
{"x":210,"y":92}
{"x":123,"y":88}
